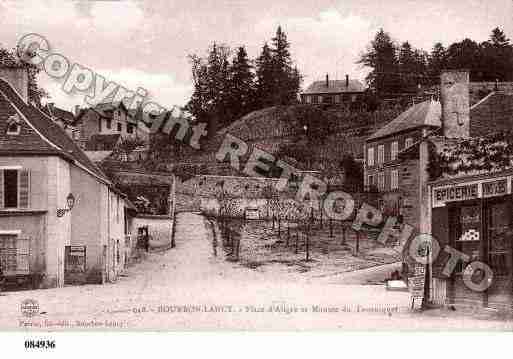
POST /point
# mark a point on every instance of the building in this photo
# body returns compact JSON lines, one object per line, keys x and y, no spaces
{"x":397,"y":177}
{"x":471,"y":199}
{"x":65,"y":119}
{"x":111,"y":118}
{"x":333,"y":92}
{"x":61,"y":218}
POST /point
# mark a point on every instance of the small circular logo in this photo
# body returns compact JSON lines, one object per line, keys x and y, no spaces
{"x":29,"y":307}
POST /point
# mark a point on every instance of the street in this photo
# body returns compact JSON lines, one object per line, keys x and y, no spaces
{"x":190,"y":287}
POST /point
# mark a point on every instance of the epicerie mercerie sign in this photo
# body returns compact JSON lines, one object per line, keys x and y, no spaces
{"x":472,"y":190}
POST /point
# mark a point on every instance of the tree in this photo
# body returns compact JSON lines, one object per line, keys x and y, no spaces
{"x":437,"y":62}
{"x":287,"y":80}
{"x":466,"y":55}
{"x":209,"y":102}
{"x":497,"y":56}
{"x":353,"y":174}
{"x":242,"y":85}
{"x":381,"y":58}
{"x":264,"y":78}
{"x":10,"y":58}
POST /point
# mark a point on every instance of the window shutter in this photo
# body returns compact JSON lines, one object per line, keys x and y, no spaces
{"x":1,"y":188}
{"x":24,"y":188}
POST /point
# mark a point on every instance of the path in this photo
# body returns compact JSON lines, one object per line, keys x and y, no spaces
{"x":189,"y":288}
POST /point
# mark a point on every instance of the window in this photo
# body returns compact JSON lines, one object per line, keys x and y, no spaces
{"x":394,"y":149}
{"x":381,"y":154}
{"x":465,"y":230}
{"x":315,"y":99}
{"x":13,"y":125}
{"x":370,"y":156}
{"x":130,"y":128}
{"x":109,"y":123}
{"x":370,"y":181}
{"x":120,"y":127}
{"x":14,"y":188}
{"x":394,"y":179}
{"x":308,"y":99}
{"x":13,"y":128}
{"x":408,"y":142}
{"x":337,"y":98}
{"x":320,"y":98}
{"x":381,"y":181}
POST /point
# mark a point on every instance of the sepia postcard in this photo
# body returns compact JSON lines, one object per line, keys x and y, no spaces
{"x":256,"y":166}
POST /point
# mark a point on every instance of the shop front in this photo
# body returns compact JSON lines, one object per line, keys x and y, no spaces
{"x":474,"y":215}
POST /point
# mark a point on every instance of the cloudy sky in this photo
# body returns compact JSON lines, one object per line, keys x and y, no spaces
{"x":146,"y":43}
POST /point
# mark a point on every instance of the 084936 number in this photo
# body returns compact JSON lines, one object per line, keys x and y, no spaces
{"x":39,"y":344}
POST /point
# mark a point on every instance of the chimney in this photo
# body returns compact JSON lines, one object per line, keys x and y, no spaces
{"x":327,"y":80}
{"x":17,"y":77}
{"x":455,"y":98}
{"x":77,"y":110}
{"x":347,"y":81}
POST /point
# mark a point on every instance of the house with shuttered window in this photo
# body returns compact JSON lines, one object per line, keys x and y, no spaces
{"x":61,"y":218}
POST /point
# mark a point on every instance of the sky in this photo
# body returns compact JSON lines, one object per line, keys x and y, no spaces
{"x":147,"y":43}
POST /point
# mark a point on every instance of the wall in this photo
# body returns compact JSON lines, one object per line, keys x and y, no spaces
{"x":455,"y":103}
{"x":415,"y":135}
{"x":494,"y":114}
{"x":89,"y":125}
{"x":86,"y":229}
{"x":58,"y":229}
{"x":478,"y":90}
{"x":409,"y":183}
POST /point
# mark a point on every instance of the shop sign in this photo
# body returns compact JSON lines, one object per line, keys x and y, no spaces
{"x":252,"y":213}
{"x":77,"y":251}
{"x":495,"y":188}
{"x":455,"y":193}
{"x":468,"y":191}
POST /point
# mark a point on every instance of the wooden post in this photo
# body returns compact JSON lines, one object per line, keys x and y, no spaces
{"x":357,"y":242}
{"x":307,"y":246}
{"x":288,"y":230}
{"x":297,"y":240}
{"x":172,"y":209}
{"x":343,"y":234}
{"x":331,"y":228}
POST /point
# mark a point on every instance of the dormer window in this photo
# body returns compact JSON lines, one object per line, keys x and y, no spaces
{"x":13,"y":125}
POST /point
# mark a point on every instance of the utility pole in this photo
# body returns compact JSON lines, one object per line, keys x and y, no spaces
{"x":172,"y":209}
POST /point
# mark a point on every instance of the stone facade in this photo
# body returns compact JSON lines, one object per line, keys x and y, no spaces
{"x":455,"y":103}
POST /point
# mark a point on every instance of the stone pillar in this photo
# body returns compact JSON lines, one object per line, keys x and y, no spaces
{"x":455,"y":103}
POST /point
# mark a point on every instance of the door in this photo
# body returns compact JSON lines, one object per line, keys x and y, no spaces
{"x":499,"y":253}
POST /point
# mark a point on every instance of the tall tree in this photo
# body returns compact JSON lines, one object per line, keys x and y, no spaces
{"x":210,"y":99}
{"x":242,"y":85}
{"x":287,"y":80}
{"x":437,"y":62}
{"x":497,"y":57}
{"x":466,"y":54}
{"x":264,"y":78}
{"x":381,"y":57}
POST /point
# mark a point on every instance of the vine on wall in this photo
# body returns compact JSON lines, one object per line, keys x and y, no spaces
{"x":472,"y":156}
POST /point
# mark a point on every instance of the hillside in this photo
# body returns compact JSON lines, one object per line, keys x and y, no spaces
{"x":333,"y":133}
